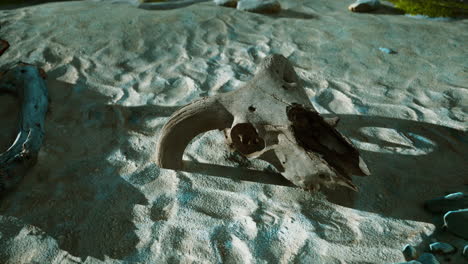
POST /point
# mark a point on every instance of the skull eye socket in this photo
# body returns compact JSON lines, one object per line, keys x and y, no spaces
{"x":287,"y":78}
{"x":246,"y":139}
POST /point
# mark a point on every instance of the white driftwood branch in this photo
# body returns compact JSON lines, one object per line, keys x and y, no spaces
{"x":27,"y":82}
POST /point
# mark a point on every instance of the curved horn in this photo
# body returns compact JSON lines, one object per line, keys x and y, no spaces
{"x":186,"y":123}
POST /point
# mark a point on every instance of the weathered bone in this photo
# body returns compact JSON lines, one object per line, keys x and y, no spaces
{"x":269,"y":118}
{"x":26,"y":81}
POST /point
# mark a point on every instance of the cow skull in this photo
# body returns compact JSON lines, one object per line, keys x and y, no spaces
{"x":270,"y":118}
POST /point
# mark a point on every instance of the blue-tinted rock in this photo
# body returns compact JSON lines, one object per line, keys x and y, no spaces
{"x":409,"y":252}
{"x":465,"y":251}
{"x":428,"y":258}
{"x":447,"y":203}
{"x":387,"y":50}
{"x":441,"y":248}
{"x":456,"y":195}
{"x":457,"y":222}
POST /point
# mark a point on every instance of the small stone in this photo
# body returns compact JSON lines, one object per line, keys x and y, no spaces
{"x":428,"y":258}
{"x":364,"y":5}
{"x":409,"y":252}
{"x":457,"y":222}
{"x":453,"y":201}
{"x":456,"y":195}
{"x":387,"y":50}
{"x":465,"y":251}
{"x":441,"y":248}
{"x":226,"y":3}
{"x":259,"y":6}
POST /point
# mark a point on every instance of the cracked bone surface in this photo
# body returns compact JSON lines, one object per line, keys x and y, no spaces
{"x":270,"y":118}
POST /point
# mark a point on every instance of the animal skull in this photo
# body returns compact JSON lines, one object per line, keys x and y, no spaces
{"x":270,"y":118}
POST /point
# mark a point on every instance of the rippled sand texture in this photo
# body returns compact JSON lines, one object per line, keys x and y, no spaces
{"x":116,"y":73}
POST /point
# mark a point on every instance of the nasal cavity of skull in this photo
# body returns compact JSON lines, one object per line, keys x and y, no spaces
{"x":246,"y":139}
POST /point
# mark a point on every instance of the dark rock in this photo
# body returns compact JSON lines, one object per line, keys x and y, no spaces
{"x":226,"y":3}
{"x":4,"y":45}
{"x":441,"y":248}
{"x":428,"y":258}
{"x":259,"y":6}
{"x":364,"y":5}
{"x":409,"y":252}
{"x":457,"y":222}
{"x":447,"y":203}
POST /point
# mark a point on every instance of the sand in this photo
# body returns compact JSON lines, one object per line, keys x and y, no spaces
{"x":117,"y":72}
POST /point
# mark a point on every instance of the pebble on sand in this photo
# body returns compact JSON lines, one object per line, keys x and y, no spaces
{"x":456,"y":195}
{"x":226,"y":3}
{"x":456,"y":222}
{"x":428,"y":258}
{"x":441,"y":248}
{"x":364,"y":5}
{"x":387,"y":50}
{"x":259,"y":6}
{"x":453,"y":201}
{"x":409,"y":252}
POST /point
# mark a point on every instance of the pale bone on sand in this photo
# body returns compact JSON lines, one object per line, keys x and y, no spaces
{"x":27,"y":82}
{"x":270,"y":118}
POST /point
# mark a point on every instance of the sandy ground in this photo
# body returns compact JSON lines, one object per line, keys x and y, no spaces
{"x":116,"y":73}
